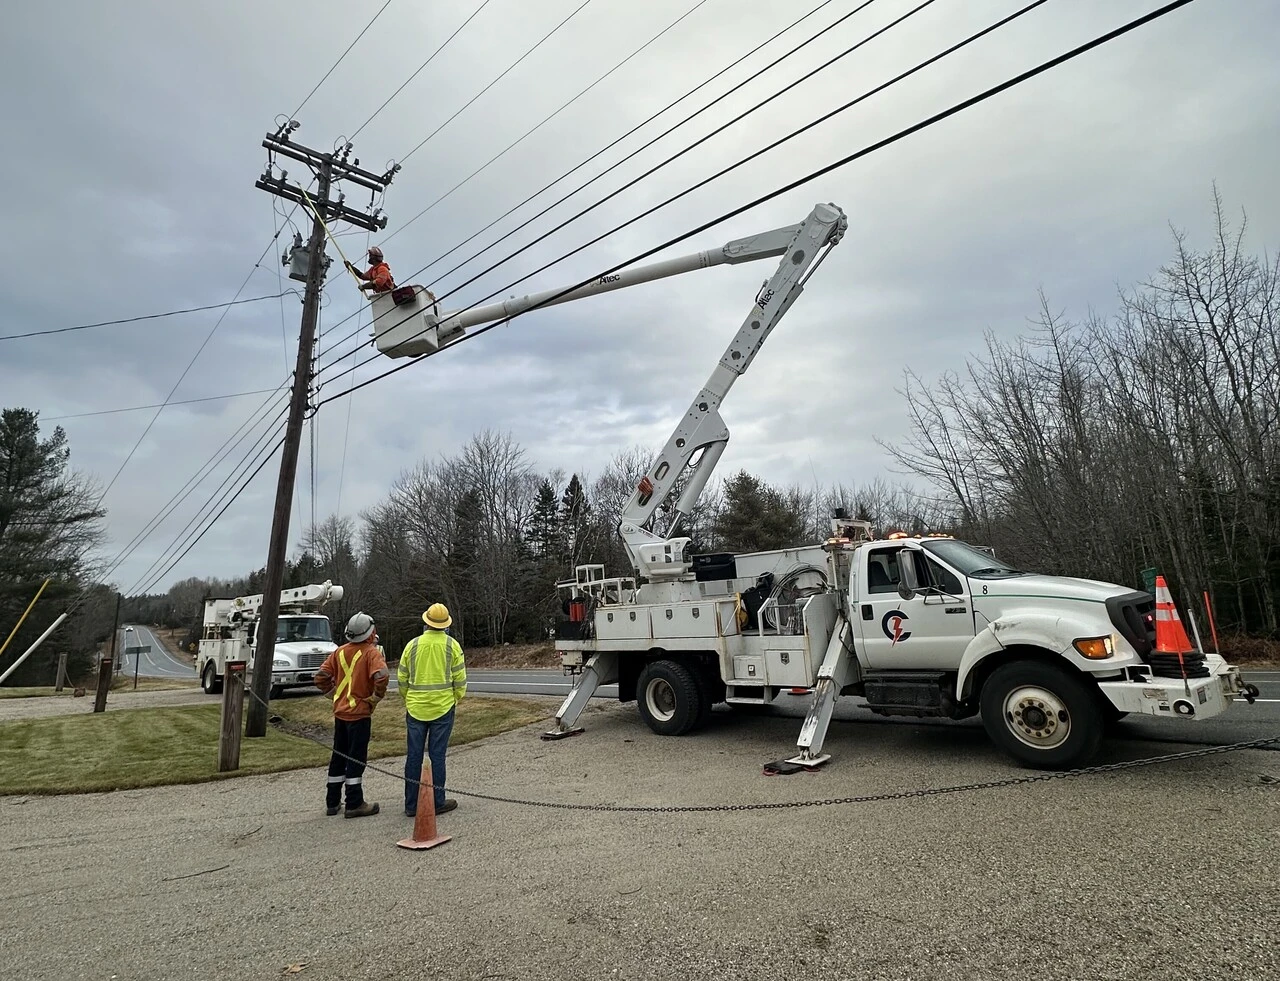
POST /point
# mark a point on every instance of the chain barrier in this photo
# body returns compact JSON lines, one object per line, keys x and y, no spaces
{"x":1030,"y":778}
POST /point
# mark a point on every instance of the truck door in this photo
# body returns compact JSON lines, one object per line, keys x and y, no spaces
{"x":930,"y":630}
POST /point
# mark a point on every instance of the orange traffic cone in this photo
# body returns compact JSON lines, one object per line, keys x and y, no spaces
{"x":424,"y":822}
{"x":1171,"y":636}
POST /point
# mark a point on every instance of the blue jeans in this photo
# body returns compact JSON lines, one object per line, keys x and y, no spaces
{"x":434,"y":737}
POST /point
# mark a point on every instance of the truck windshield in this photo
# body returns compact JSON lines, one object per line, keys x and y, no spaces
{"x":294,"y":629}
{"x":969,"y":560}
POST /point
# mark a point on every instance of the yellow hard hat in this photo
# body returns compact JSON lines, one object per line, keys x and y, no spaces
{"x":437,"y":617}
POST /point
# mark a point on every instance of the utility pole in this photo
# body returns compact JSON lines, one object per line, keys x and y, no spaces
{"x":329,"y":169}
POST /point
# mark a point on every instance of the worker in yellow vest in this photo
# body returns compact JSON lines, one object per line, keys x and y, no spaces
{"x":433,"y":679}
{"x":357,"y":675}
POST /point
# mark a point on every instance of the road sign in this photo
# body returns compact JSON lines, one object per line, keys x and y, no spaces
{"x":138,"y":650}
{"x":1149,"y":579}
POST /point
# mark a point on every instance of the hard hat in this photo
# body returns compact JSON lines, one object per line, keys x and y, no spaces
{"x":359,"y":628}
{"x":437,"y":617}
{"x":375,"y":253}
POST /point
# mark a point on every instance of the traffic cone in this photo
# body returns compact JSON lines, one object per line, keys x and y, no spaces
{"x":1171,"y":636}
{"x":424,"y":822}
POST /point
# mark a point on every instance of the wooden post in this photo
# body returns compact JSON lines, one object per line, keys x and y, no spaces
{"x":104,"y":684}
{"x":62,"y":671}
{"x":232,"y":716}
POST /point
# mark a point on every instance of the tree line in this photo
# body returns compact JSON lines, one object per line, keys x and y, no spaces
{"x":1097,"y":448}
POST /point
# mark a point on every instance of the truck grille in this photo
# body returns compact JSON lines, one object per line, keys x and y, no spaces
{"x":1134,"y":616}
{"x":309,"y":662}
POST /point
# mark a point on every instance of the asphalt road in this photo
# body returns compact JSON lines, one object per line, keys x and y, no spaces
{"x":158,"y":663}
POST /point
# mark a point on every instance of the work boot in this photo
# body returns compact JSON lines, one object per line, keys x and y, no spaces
{"x":331,"y":810}
{"x":449,"y":805}
{"x":364,"y":810}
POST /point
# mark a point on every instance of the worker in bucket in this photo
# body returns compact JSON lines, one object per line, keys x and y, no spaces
{"x":357,"y":675}
{"x":433,"y":679}
{"x":378,"y":278}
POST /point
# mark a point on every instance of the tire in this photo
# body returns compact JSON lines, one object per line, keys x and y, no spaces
{"x":1041,"y":715}
{"x":669,"y":698}
{"x":210,"y":681}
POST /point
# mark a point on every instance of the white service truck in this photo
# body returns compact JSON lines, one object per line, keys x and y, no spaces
{"x":923,"y":626}
{"x":304,"y":636}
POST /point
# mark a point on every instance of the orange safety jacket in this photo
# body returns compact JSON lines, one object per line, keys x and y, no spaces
{"x":357,"y":676}
{"x":380,"y":276}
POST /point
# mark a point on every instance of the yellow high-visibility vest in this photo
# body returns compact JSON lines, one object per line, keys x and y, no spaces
{"x":432,"y":675}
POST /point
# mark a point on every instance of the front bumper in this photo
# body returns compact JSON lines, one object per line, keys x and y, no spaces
{"x":292,"y":679}
{"x":1198,"y":698}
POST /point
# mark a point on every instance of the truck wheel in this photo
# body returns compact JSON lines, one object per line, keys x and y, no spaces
{"x":210,"y":681}
{"x":669,"y":698}
{"x":1041,"y":715}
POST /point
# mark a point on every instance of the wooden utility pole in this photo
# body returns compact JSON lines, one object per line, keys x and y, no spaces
{"x":62,"y":671}
{"x":232,"y":714}
{"x":104,"y":667}
{"x":329,"y":169}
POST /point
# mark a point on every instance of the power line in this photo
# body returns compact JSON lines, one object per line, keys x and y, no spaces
{"x":221,"y":453}
{"x":720,"y":129}
{"x":605,"y":149}
{"x":340,"y":58}
{"x":416,"y":72}
{"x":676,"y":155}
{"x":822,"y":171}
{"x":812,"y":38}
{"x":157,"y":405}
{"x":264,"y":433}
{"x":505,"y":71}
{"x":547,"y":119}
{"x":149,"y":316}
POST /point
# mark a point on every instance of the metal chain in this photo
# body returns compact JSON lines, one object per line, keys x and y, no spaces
{"x":1041,"y":777}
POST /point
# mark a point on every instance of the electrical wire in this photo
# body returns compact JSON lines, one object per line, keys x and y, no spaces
{"x":720,"y":129}
{"x":149,"y":316}
{"x":273,"y":423}
{"x":419,"y":69}
{"x":731,"y":91}
{"x":546,"y":37}
{"x":228,"y":446}
{"x":340,"y":59}
{"x":511,"y":146}
{"x":820,"y":172}
{"x":156,"y":405}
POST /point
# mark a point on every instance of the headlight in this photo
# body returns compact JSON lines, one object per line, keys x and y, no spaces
{"x":1095,"y":648}
{"x":280,"y":664}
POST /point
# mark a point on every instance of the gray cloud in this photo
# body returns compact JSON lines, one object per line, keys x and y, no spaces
{"x":134,"y":144}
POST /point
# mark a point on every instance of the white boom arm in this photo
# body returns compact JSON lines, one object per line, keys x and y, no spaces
{"x":311,"y":595}
{"x":701,"y":436}
{"x":407,"y":324}
{"x":410,"y":326}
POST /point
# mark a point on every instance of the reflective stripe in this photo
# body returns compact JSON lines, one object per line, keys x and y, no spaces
{"x":443,"y":687}
{"x":347,"y":671}
{"x":336,"y":779}
{"x":413,"y":656}
{"x":354,"y":781}
{"x":448,"y":660}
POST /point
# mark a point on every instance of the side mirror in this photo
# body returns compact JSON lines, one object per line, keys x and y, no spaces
{"x":908,"y":583}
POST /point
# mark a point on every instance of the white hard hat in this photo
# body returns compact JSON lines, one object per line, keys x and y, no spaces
{"x":359,"y":627}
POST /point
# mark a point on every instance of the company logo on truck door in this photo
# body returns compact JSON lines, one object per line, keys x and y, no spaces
{"x":892,"y":623}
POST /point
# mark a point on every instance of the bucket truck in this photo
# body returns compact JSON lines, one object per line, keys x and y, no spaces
{"x":304,"y":636}
{"x":915,"y":626}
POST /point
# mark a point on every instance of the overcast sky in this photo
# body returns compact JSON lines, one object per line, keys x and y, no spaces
{"x":134,"y":139}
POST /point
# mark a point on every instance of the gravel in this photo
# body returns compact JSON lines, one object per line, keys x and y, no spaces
{"x":43,"y":707}
{"x":1145,"y":873}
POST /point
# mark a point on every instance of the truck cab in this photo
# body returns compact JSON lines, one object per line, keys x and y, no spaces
{"x":303,"y":641}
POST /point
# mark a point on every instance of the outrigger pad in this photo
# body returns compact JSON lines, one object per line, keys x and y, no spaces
{"x":780,"y":768}
{"x":563,"y":733}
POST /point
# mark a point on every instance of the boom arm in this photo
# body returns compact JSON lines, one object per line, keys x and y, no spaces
{"x":701,"y":436}
{"x":406,"y":324}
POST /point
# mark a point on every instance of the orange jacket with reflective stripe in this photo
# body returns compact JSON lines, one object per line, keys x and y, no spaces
{"x":352,"y":675}
{"x":380,"y":276}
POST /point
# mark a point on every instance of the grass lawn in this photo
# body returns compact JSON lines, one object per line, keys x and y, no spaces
{"x":151,"y":747}
{"x":117,"y":684}
{"x":477,"y":718}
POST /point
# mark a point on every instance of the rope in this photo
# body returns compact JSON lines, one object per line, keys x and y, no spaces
{"x":316,"y":215}
{"x":1042,"y":777}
